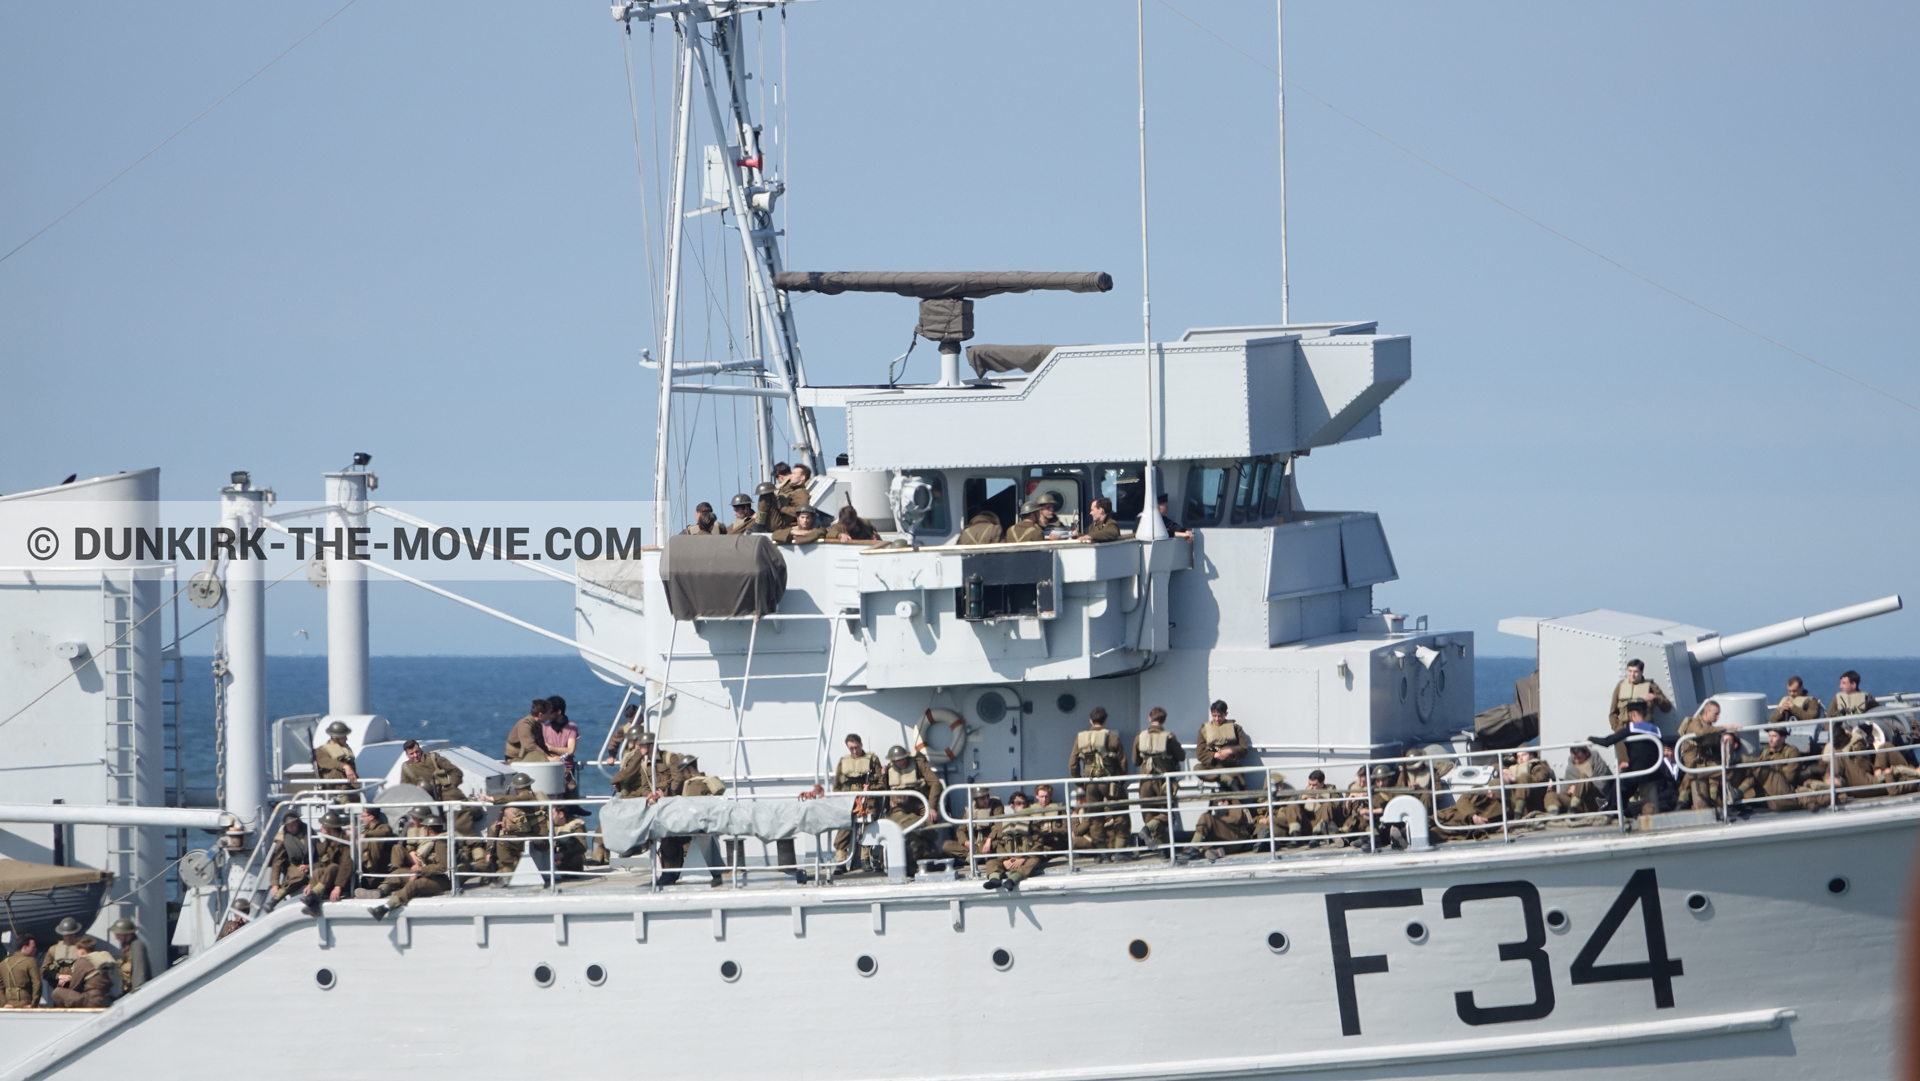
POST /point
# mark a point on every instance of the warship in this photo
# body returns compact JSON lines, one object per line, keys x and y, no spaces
{"x":1393,"y":936}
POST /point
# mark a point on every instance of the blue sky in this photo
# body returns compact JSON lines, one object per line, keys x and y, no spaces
{"x":419,"y":235}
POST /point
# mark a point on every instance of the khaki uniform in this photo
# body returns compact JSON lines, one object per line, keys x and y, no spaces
{"x":1102,"y":531}
{"x":1228,"y":825}
{"x":771,"y":516}
{"x":635,"y":777}
{"x":20,"y":981}
{"x":903,"y":811}
{"x":1460,"y":816}
{"x":1701,"y":791}
{"x":1016,"y":842}
{"x":331,"y":761}
{"x":1222,"y":745}
{"x":1795,"y":707}
{"x":1591,"y":792}
{"x":836,"y":531}
{"x":430,"y":880}
{"x":739,"y":526}
{"x":1849,"y":703}
{"x":377,"y":852}
{"x":1156,"y":751}
{"x":1779,"y":775}
{"x":59,"y":959}
{"x":332,"y":867}
{"x":1627,"y":691}
{"x":1024,"y":532}
{"x":524,"y":743}
{"x":1302,"y":811}
{"x":1522,"y":801}
{"x":435,"y":775}
{"x":967,"y":839}
{"x":87,"y":987}
{"x":290,"y":864}
{"x":856,"y":773}
{"x":570,"y":845}
{"x":1097,"y":753}
{"x":519,"y":822}
{"x":694,"y":530}
{"x":792,"y":496}
{"x":796,"y":536}
{"x":982,"y":528}
{"x":133,"y":965}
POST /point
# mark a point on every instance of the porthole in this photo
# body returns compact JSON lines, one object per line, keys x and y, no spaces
{"x":1416,"y":932}
{"x":1277,"y":942}
{"x":991,"y":708}
{"x":866,"y":965}
{"x":1002,"y":960}
{"x":543,"y":975}
{"x":1066,"y":702}
{"x":1557,"y":919}
{"x":1838,"y":885}
{"x":1138,"y":949}
{"x":325,"y":979}
{"x":729,"y":970}
{"x":596,"y":975}
{"x":1697,"y":902}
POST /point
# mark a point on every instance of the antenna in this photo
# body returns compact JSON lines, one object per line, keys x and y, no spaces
{"x":1280,"y":79}
{"x":1150,"y":523}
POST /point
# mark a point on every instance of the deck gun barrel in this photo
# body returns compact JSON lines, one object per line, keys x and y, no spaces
{"x":1719,"y":648}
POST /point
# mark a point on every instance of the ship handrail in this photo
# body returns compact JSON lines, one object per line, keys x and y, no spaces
{"x":1829,"y":754}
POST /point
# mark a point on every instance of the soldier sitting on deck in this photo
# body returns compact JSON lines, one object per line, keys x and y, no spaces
{"x":1102,"y":528}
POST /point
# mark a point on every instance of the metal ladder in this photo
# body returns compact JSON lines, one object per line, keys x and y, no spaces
{"x":122,"y":749}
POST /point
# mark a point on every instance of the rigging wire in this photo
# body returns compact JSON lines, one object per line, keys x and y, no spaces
{"x":640,"y":175}
{"x":1503,"y":204}
{"x":178,"y":132}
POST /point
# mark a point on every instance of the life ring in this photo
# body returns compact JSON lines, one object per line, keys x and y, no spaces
{"x":956,"y":731}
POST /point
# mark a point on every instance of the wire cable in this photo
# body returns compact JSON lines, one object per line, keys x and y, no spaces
{"x":177,"y":133}
{"x":1503,"y":204}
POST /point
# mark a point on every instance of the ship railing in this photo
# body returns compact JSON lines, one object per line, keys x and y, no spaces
{"x":255,"y":879}
{"x":1731,"y":764}
{"x":1089,"y":800}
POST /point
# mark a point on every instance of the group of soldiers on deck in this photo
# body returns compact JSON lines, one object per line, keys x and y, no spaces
{"x":76,"y":972}
{"x":783,"y":508}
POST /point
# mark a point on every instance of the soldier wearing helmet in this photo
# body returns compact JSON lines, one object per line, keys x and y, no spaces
{"x":57,"y":967}
{"x":913,"y":773}
{"x":133,"y":955}
{"x":428,"y":875}
{"x":333,"y":760}
{"x":1028,"y":528}
{"x":292,"y":860}
{"x":742,"y":514}
{"x":332,"y":865}
{"x":770,"y":516}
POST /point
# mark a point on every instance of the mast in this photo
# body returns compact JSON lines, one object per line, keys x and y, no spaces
{"x":1150,"y":525}
{"x":669,"y":355}
{"x":1280,"y":80}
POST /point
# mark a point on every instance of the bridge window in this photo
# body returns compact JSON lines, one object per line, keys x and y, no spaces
{"x":1206,"y":495}
{"x":936,"y":521}
{"x":1123,"y":485}
{"x":1067,"y":482}
{"x":997,"y":494}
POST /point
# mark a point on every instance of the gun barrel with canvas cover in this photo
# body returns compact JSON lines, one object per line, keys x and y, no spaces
{"x":1719,"y":648}
{"x":939,"y":284}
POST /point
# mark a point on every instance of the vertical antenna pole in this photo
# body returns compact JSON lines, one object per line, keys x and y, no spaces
{"x":1280,"y":79}
{"x":1150,"y":525}
{"x":669,"y":354}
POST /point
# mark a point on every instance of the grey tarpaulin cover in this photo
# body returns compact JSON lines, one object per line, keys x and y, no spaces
{"x":935,"y":284}
{"x":723,"y":577}
{"x":630,"y":822}
{"x":1007,"y":358}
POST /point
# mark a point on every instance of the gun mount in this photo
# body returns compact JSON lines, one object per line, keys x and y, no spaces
{"x":1720,"y":647}
{"x":946,"y":298}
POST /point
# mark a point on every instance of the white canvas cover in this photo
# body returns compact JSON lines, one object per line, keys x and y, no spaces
{"x":629,"y":823}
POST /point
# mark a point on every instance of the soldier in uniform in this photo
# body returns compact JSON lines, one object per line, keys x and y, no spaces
{"x":378,"y":848}
{"x":982,"y":528}
{"x":292,"y":860}
{"x":1027,"y":529}
{"x":1050,"y":825}
{"x":56,"y":968}
{"x":1779,"y":773}
{"x":850,"y":528}
{"x":133,"y":955}
{"x":792,"y":492}
{"x":20,"y":975}
{"x":1224,"y":829}
{"x":524,"y":742}
{"x":1222,"y":744}
{"x":1471,"y":810}
{"x":332,"y":865}
{"x":969,"y":841}
{"x":913,"y":773}
{"x":635,"y":779}
{"x":1796,"y":704}
{"x":1589,"y":791}
{"x":85,"y":984}
{"x":857,"y":771}
{"x":515,"y":822}
{"x":806,"y":528}
{"x":242,"y":915}
{"x":1156,"y":752}
{"x":1102,"y":528}
{"x":1048,"y":518}
{"x":1097,"y":752}
{"x":428,"y":875}
{"x":1015,"y":846}
{"x":705,"y":523}
{"x":771,"y":516}
{"x":1710,"y":748}
{"x":437,"y":776}
{"x":570,"y":838}
{"x":333,"y":760}
{"x":1851,"y":700}
{"x":1530,"y":784}
{"x":673,"y":850}
{"x":1636,"y":688}
{"x":742,"y":505}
